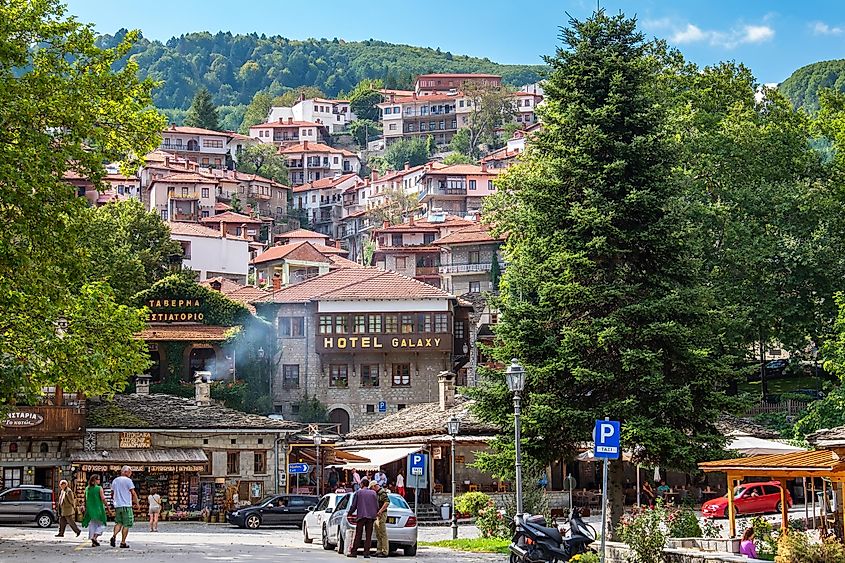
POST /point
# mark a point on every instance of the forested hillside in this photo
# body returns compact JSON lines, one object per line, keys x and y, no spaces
{"x":234,"y":67}
{"x":802,"y":88}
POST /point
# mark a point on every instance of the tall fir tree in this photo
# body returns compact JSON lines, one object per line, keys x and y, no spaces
{"x":601,"y":301}
{"x":203,"y":112}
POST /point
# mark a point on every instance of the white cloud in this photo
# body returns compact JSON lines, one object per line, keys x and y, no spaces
{"x":690,"y":34}
{"x":821,"y":28}
{"x":726,"y":39}
{"x":757,"y":34}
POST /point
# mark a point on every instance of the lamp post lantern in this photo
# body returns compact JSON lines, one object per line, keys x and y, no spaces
{"x":453,"y":427}
{"x":318,"y":439}
{"x":515,"y":377}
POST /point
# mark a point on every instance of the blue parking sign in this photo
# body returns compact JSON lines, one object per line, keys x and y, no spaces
{"x":382,"y":406}
{"x":606,"y":439}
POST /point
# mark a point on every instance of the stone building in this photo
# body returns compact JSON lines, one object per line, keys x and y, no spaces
{"x":363,"y":341}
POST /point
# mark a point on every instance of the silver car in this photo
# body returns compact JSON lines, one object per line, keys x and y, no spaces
{"x":401,"y":525}
{"x":28,"y":503}
{"x":312,"y":524}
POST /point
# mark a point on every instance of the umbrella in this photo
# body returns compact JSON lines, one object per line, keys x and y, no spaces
{"x":657,"y":474}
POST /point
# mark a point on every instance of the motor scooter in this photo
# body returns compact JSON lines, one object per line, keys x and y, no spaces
{"x":535,"y":542}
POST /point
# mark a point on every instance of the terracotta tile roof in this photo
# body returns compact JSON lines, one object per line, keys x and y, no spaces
{"x":176,"y":332}
{"x":325,"y":183}
{"x":473,"y":234}
{"x":500,"y":154}
{"x":283,"y":123}
{"x":358,"y":284}
{"x":425,"y":419}
{"x":238,"y":136}
{"x":230,"y":217}
{"x":227,"y":286}
{"x":303,"y":250}
{"x":188,"y":178}
{"x":301,"y":233}
{"x":312,"y":147}
{"x":247,"y":294}
{"x":427,"y":225}
{"x":325,"y":249}
{"x":325,"y":101}
{"x":422,"y":99}
{"x":464,"y":169}
{"x":457,"y":75}
{"x":220,"y":207}
{"x":192,"y":230}
{"x":341,"y":262}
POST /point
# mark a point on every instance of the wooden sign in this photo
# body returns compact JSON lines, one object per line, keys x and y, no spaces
{"x":437,"y":452}
{"x":22,"y":419}
{"x":135,"y":440}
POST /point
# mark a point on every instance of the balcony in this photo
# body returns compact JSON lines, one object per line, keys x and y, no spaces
{"x":192,"y":196}
{"x":468,"y":268}
{"x":185,"y":217}
{"x":256,"y":194}
{"x":427,"y":271}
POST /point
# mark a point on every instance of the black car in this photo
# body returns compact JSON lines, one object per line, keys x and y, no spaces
{"x":276,"y":510}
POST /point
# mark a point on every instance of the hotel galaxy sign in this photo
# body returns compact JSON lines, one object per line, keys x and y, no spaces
{"x":385,"y":343}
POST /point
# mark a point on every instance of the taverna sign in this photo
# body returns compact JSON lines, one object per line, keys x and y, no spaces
{"x":22,"y":419}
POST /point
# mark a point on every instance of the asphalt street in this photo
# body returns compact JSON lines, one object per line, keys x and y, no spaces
{"x":196,"y":542}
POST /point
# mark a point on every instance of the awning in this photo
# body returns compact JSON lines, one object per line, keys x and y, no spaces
{"x":377,"y":457}
{"x":749,"y":445}
{"x":171,"y":459}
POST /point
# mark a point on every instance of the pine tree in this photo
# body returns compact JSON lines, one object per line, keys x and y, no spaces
{"x":495,"y":272}
{"x":203,"y":112}
{"x":600,"y":300}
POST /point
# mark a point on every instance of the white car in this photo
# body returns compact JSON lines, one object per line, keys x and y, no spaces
{"x":401,"y":525}
{"x":312,"y":524}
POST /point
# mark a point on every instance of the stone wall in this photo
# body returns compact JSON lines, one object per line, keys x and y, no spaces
{"x":621,"y":553}
{"x":557,"y":499}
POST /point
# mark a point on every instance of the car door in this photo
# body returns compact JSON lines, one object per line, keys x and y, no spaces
{"x":10,"y":505}
{"x":336,"y":517}
{"x":31,"y":504}
{"x":314,"y":519}
{"x":754,"y":499}
{"x":298,"y":508}
{"x":274,"y":512}
{"x":771,"y":498}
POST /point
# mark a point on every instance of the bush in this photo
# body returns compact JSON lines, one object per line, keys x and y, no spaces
{"x":588,"y":557}
{"x":683,"y":523}
{"x":796,"y":547}
{"x":492,"y":523}
{"x":645,"y":533}
{"x":471,"y":503}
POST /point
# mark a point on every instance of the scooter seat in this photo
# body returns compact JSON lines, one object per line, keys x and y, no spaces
{"x":552,"y":533}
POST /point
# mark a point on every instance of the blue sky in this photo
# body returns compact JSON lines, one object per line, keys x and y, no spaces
{"x":772,"y":37}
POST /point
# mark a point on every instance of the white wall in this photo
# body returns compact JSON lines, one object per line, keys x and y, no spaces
{"x":228,"y":256}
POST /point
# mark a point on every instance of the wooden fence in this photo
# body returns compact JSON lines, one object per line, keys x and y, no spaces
{"x":789,"y":406}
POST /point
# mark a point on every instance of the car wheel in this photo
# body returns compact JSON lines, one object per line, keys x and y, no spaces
{"x":305,"y":536}
{"x":253,"y":521}
{"x":326,"y":545}
{"x":340,"y":547}
{"x":778,"y":507}
{"x":410,"y":550}
{"x":44,"y":520}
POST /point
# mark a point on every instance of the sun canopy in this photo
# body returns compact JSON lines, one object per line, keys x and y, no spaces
{"x":377,"y":457}
{"x":749,"y":445}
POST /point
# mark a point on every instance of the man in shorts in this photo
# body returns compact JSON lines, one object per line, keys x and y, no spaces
{"x":124,"y":498}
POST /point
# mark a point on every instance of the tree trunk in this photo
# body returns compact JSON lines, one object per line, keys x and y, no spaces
{"x":616,"y":496}
{"x":764,"y":384}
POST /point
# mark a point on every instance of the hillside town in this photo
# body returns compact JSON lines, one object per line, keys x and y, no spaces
{"x":596,"y":317}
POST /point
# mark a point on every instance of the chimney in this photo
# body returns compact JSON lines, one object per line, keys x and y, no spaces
{"x":392,"y":97}
{"x":373,"y":175}
{"x":222,"y":229}
{"x":446,"y":382}
{"x":216,"y":285}
{"x":483,"y":166}
{"x":290,"y":120}
{"x":277,"y":281}
{"x":166,"y":161}
{"x":305,"y":145}
{"x":142,"y":384}
{"x":411,"y":220}
{"x":385,"y":224}
{"x":407,"y":166}
{"x":243,"y":231}
{"x":337,"y":245}
{"x":202,"y":388}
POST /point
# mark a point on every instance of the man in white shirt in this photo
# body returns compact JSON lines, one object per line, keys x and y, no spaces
{"x":380,"y":478}
{"x":124,"y":498}
{"x":356,"y":480}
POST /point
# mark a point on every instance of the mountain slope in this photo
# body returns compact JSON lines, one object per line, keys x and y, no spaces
{"x":802,"y":88}
{"x":234,"y":67}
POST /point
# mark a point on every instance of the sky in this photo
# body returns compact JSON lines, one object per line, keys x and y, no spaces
{"x":773,"y":37}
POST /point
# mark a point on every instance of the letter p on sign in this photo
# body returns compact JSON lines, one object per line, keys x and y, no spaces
{"x":606,"y":436}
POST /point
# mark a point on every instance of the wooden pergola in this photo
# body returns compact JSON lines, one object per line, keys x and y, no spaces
{"x":818,"y":463}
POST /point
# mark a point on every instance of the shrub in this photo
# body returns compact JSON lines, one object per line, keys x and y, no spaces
{"x":796,"y":547}
{"x":588,"y":557}
{"x":492,"y":523}
{"x":683,"y":523}
{"x":645,"y":533}
{"x":471,"y":503}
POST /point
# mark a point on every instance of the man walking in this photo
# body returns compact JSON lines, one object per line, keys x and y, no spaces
{"x":124,"y":498}
{"x":365,"y":504}
{"x":67,"y":510}
{"x":383,"y":547}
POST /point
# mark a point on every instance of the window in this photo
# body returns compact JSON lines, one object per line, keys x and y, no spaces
{"x":490,"y":186}
{"x":313,"y":198}
{"x":369,"y":375}
{"x":233,"y":463}
{"x":425,"y":322}
{"x":391,"y":324}
{"x":12,"y":477}
{"x":340,"y":324}
{"x":259,"y":462}
{"x":371,"y":409}
{"x":359,"y":324}
{"x":771,"y":490}
{"x":428,"y":238}
{"x":325,"y":324}
{"x":460,"y":330}
{"x":460,"y":103}
{"x":336,"y":160}
{"x":290,"y":376}
{"x":212,"y":143}
{"x":423,"y":126}
{"x":205,"y":213}
{"x":392,"y":127}
{"x":338,"y":375}
{"x":164,"y":214}
{"x":407,"y":323}
{"x":401,"y":375}
{"x":441,"y":322}
{"x":205,"y":192}
{"x":294,"y":409}
{"x":474,"y":257}
{"x":401,"y":262}
{"x":454,"y":124}
{"x":396,"y":240}
{"x":472,"y":184}
{"x":475,"y":287}
{"x":387,"y":111}
{"x":293,"y":327}
{"x":374,"y":323}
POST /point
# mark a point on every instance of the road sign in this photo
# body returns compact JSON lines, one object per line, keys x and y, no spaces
{"x":296,"y":468}
{"x":606,"y":439}
{"x":417,"y":471}
{"x":417,"y":463}
{"x":382,"y":407}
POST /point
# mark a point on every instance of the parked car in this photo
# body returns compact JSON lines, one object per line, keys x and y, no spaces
{"x":312,"y":524}
{"x":401,"y":525}
{"x":273,"y":511}
{"x":28,"y":503}
{"x":751,"y":498}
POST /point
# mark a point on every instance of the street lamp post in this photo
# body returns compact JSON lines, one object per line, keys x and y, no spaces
{"x":515,"y":376}
{"x":453,"y":427}
{"x":318,"y":439}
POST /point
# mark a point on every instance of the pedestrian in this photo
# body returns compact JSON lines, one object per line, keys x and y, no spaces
{"x":365,"y":505}
{"x":382,"y":548}
{"x":154,"y":502}
{"x":95,"y":510}
{"x":400,"y":484}
{"x":124,"y":498}
{"x":380,"y":478}
{"x":67,"y":510}
{"x":746,"y":546}
{"x":332,"y":479}
{"x":648,"y":493}
{"x":356,"y":480}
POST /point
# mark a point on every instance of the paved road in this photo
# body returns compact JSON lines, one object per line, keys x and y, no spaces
{"x":196,"y":542}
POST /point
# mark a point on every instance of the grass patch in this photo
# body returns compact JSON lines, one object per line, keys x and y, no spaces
{"x":476,"y":545}
{"x":782,"y":385}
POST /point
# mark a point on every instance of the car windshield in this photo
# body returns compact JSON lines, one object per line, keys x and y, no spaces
{"x":738,"y":492}
{"x":398,"y":502}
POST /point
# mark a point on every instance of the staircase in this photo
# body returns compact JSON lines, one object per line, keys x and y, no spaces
{"x":427,"y":514}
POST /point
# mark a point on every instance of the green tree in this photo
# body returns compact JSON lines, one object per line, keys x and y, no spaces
{"x":236,"y":204}
{"x":495,"y":272}
{"x":256,"y":112}
{"x":64,"y":109}
{"x":364,"y":131}
{"x":491,"y":108}
{"x":413,"y":152}
{"x":601,"y":299}
{"x":289,"y":98}
{"x":203,"y":112}
{"x":461,"y":142}
{"x":264,"y":159}
{"x":397,"y":205}
{"x":364,"y":99}
{"x":458,"y":158}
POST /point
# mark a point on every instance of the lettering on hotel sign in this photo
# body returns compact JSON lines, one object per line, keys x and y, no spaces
{"x":175,"y":310}
{"x":22,"y":419}
{"x":384,"y":343}
{"x":135,"y":440}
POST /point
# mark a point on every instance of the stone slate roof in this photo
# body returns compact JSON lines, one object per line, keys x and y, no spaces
{"x":168,"y":411}
{"x":425,"y":419}
{"x":732,"y":424}
{"x":828,"y":437}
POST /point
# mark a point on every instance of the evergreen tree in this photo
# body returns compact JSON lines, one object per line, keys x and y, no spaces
{"x":203,"y":112}
{"x":601,"y":300}
{"x":495,"y":272}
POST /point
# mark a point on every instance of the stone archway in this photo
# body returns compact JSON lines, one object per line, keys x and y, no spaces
{"x":200,"y":357}
{"x":340,"y":416}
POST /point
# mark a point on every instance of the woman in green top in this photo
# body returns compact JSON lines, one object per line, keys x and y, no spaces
{"x":95,"y":510}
